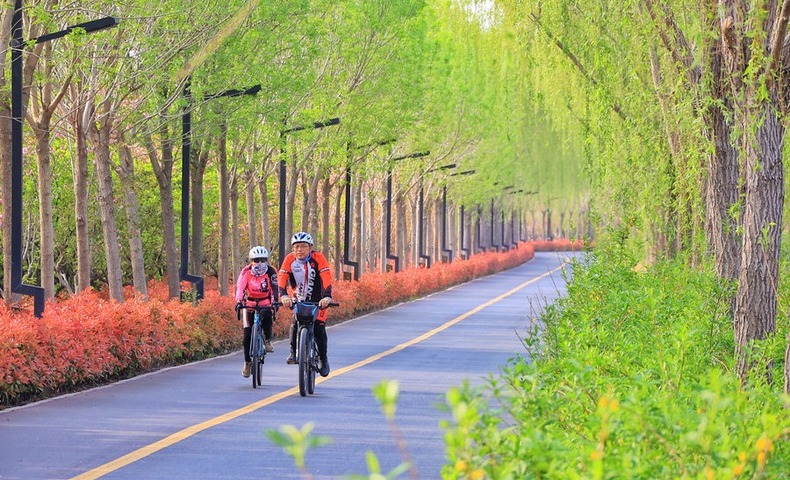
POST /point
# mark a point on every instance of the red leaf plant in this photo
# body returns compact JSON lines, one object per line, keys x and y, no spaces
{"x":88,"y":339}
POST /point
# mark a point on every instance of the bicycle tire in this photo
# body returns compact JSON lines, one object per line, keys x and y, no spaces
{"x":262,"y":356}
{"x":255,"y":355}
{"x":304,"y":361}
{"x":313,"y":366}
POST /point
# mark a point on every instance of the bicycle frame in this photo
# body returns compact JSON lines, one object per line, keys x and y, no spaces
{"x":257,"y":349}
{"x":305,"y":314}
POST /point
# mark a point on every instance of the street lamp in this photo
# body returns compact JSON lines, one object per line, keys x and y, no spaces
{"x":420,"y":234}
{"x":513,"y":243}
{"x":17,"y":47}
{"x":492,"y":244}
{"x":478,"y":237}
{"x":283,"y":133}
{"x":186,"y":148}
{"x":387,"y":249}
{"x":347,"y":230}
{"x":446,"y":250}
{"x":347,"y":224}
{"x":523,"y":237}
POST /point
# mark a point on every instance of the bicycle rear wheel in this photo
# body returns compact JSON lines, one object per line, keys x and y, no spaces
{"x":304,"y":361}
{"x":255,"y":355}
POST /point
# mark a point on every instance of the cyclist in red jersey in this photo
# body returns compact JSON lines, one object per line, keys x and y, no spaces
{"x":257,"y":281}
{"x":309,"y":276}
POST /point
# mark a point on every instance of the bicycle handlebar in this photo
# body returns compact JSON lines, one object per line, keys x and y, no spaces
{"x":331,"y":304}
{"x":257,"y":305}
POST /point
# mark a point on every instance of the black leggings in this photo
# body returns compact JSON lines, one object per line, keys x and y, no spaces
{"x":319,"y":330}
{"x":266,"y":324}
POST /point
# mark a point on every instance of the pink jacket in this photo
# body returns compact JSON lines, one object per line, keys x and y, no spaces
{"x":249,"y":286}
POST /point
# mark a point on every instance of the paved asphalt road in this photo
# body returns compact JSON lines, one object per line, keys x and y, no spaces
{"x":204,"y":421}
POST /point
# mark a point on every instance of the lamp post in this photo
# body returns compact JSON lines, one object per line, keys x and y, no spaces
{"x":17,"y":116}
{"x":283,"y":133}
{"x":505,"y":245}
{"x":388,"y":248}
{"x":464,"y":250}
{"x":446,"y":250}
{"x":478,"y":238}
{"x":492,"y":244}
{"x":523,"y":237}
{"x":348,"y":211}
{"x":186,"y":148}
{"x":513,"y":242}
{"x":420,"y":234}
{"x":347,"y":230}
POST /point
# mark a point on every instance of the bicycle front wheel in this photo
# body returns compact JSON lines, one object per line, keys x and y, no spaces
{"x":304,"y":361}
{"x":255,"y":355}
{"x":313,"y":366}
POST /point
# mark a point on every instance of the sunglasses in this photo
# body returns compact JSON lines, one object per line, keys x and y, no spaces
{"x":258,"y":260}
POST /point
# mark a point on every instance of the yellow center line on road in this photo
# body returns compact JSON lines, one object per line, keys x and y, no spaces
{"x":181,"y":435}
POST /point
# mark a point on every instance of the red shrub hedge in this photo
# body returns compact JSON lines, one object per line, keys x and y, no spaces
{"x":88,"y":339}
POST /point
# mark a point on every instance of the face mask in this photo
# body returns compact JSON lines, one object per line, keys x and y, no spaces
{"x":259,"y":268}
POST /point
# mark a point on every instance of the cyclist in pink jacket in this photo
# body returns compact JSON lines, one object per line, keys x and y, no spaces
{"x":257,"y":281}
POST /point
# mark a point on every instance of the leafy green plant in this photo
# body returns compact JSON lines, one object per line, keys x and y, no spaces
{"x":634,"y":379}
{"x":296,"y":442}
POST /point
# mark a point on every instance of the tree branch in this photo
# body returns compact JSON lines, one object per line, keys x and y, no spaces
{"x":578,"y":64}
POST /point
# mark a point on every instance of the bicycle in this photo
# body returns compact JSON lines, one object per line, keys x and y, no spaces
{"x":257,"y":347}
{"x":307,"y":356}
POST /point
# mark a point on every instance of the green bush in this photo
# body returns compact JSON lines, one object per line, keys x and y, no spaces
{"x":631,"y":377}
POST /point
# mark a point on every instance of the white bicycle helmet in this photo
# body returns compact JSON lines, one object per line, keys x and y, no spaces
{"x":258,"y":252}
{"x":301,"y":237}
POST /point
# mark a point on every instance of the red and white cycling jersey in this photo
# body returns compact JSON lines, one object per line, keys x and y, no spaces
{"x":310,"y":281}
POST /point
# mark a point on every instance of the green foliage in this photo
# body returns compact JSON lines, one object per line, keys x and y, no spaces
{"x":631,"y":377}
{"x":296,"y":442}
{"x":387,"y":395}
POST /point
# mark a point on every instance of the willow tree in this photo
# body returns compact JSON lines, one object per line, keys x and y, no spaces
{"x":677,"y":95}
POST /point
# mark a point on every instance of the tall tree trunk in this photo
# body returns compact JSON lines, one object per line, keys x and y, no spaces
{"x":401,"y":229}
{"x":126,"y":175}
{"x":787,"y":366}
{"x":338,"y":254}
{"x":163,"y":170}
{"x":721,"y":190}
{"x":290,"y":201}
{"x":265,"y":224}
{"x":99,"y":134}
{"x":371,"y":229}
{"x":224,"y":211}
{"x":357,"y":241}
{"x":46,"y":223}
{"x":5,"y":174}
{"x":252,"y":218}
{"x":235,"y":248}
{"x":758,"y":91}
{"x":382,"y":244}
{"x":756,"y":299}
{"x":310,"y":203}
{"x":436,"y":229}
{"x":326,"y":197}
{"x":80,"y":175}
